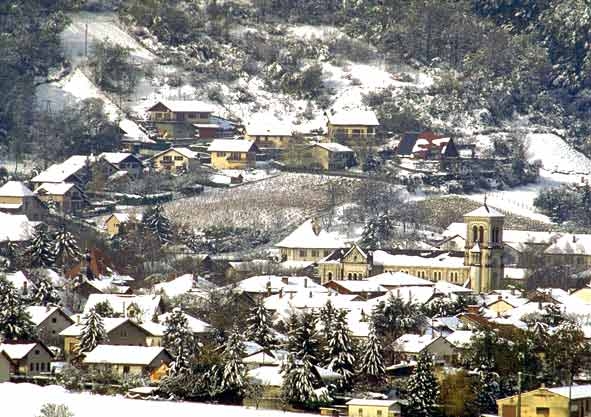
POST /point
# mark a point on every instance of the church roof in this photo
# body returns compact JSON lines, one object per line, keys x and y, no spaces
{"x":484,"y":211}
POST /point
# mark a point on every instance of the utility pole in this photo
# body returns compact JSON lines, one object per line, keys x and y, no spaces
{"x":86,"y":40}
{"x":519,"y":394}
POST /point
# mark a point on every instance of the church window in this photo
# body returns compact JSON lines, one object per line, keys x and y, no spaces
{"x":329,"y":275}
{"x":481,"y":234}
{"x":474,"y":233}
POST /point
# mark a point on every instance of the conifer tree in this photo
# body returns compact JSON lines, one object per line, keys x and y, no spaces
{"x":326,"y":318}
{"x":93,"y":332}
{"x":486,"y":390}
{"x":43,"y":291}
{"x":41,"y":249}
{"x":15,"y":322}
{"x":180,"y":342}
{"x":259,"y":326}
{"x":302,"y":339}
{"x":234,"y":371}
{"x":423,"y":388}
{"x":155,"y":221}
{"x":339,"y":351}
{"x":298,"y":382}
{"x":65,"y":247}
{"x":372,"y":364}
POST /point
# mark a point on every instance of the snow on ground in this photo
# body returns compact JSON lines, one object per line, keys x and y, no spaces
{"x":25,"y":400}
{"x":557,"y":155}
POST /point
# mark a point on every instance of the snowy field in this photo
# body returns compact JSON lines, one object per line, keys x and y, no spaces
{"x":25,"y":400}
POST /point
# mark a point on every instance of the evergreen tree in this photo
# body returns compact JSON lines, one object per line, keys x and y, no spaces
{"x":93,"y":332}
{"x":105,"y":309}
{"x":302,"y":339}
{"x":41,"y":249}
{"x":155,"y":221}
{"x":15,"y":322}
{"x":486,"y":390}
{"x":298,"y":383}
{"x":326,"y":318}
{"x":43,"y":291}
{"x":180,"y":342}
{"x":372,"y":364}
{"x":340,"y":350}
{"x":259,"y":326}
{"x":423,"y":388}
{"x":66,"y":248}
{"x":234,"y":371}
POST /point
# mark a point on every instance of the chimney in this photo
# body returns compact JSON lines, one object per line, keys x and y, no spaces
{"x":305,"y":282}
{"x":25,"y":287}
{"x":268,"y":288}
{"x":291,"y":295}
{"x":540,"y":305}
{"x":316,"y":227}
{"x":280,"y":292}
{"x":512,"y":290}
{"x":574,"y":238}
{"x":397,"y":292}
{"x":285,"y":280}
{"x":500,"y":297}
{"x":77,"y":318}
{"x":310,"y":294}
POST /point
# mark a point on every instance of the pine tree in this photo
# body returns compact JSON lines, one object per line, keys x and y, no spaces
{"x":486,"y":390}
{"x":105,"y":309}
{"x":298,"y":383}
{"x":259,"y":326}
{"x":180,"y":342}
{"x":302,"y":338}
{"x":372,"y":361}
{"x":41,"y":249}
{"x":156,"y":222}
{"x":326,"y":318}
{"x":93,"y":332}
{"x":340,"y":350}
{"x":234,"y":371}
{"x":423,"y":388}
{"x":15,"y":322}
{"x":43,"y":291}
{"x":65,"y":247}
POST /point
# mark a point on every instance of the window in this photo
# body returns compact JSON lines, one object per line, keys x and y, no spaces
{"x":125,"y":369}
{"x":37,"y":367}
{"x":326,"y":253}
{"x":474,"y":233}
{"x":542,"y":411}
{"x":167,"y":158}
{"x":302,"y":253}
{"x":315,"y":253}
{"x":192,"y":115}
{"x":235,"y":156}
{"x":349,"y":275}
{"x":37,"y":351}
{"x":54,"y":320}
{"x":379,"y":413}
{"x":221,"y":154}
{"x":354,"y":276}
{"x":360,"y":412}
{"x":42,"y":366}
{"x":178,"y":158}
{"x":329,"y":276}
{"x":204,"y":115}
{"x":31,"y":367}
{"x":123,"y":333}
{"x":481,"y":234}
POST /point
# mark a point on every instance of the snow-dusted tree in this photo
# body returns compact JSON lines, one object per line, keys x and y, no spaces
{"x":486,"y":390}
{"x":423,"y":388}
{"x":15,"y":322}
{"x":65,"y":247}
{"x":43,"y":291}
{"x":156,"y":222}
{"x":55,"y":410}
{"x":93,"y":332}
{"x":105,"y":309}
{"x":340,"y":350}
{"x":326,"y":318}
{"x":302,"y":338}
{"x":180,"y":342}
{"x":298,"y":382}
{"x":234,"y":371}
{"x":259,"y":326}
{"x":372,"y":365}
{"x":41,"y":249}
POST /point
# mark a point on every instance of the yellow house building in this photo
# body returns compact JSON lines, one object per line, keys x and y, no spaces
{"x":332,"y":156}
{"x":16,"y":197}
{"x":352,"y":125}
{"x":67,"y":197}
{"x":310,"y":243}
{"x":232,"y":154}
{"x":264,"y":136}
{"x":116,"y":221}
{"x":373,"y":408}
{"x":175,"y":160}
{"x":548,"y":402}
{"x":129,"y":360}
{"x":176,"y":118}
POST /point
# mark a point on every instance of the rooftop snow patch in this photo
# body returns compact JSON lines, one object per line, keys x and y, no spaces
{"x":186,"y":106}
{"x":334,"y":147}
{"x":16,"y":227}
{"x":305,"y":237}
{"x":15,"y":189}
{"x":123,"y":354}
{"x":353,"y":118}
{"x":484,"y":211}
{"x":230,"y":145}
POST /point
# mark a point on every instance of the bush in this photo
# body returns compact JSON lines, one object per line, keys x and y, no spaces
{"x":55,"y":410}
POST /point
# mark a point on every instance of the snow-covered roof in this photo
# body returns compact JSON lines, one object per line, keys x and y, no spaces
{"x":360,"y":286}
{"x":444,"y":260}
{"x":51,"y":188}
{"x":123,"y":354}
{"x":187,"y":106}
{"x":16,"y":227}
{"x":334,"y":147}
{"x":267,"y":376}
{"x":260,"y":284}
{"x":264,"y":128}
{"x":230,"y":145}
{"x":148,"y":304}
{"x":484,"y":211}
{"x":448,"y":288}
{"x":16,"y":351}
{"x":115,"y":157}
{"x":353,"y":118}
{"x":182,"y":285}
{"x":15,"y":189}
{"x":62,"y":171}
{"x":261,"y":358}
{"x":109,"y":323}
{"x":305,"y":237}
{"x":186,"y":152}
{"x":18,"y":280}
{"x":398,"y":279}
{"x":515,"y":273}
{"x":196,"y":325}
{"x":40,"y":313}
{"x":306,"y":300}
{"x":571,"y":245}
{"x":576,"y":392}
{"x":413,"y":343}
{"x":372,"y":403}
{"x":461,"y":338}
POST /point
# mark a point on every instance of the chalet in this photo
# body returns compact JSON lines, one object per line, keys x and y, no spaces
{"x":175,"y":160}
{"x":361,"y":407}
{"x":333,"y":156}
{"x":68,"y":197}
{"x":116,"y":221}
{"x":49,"y":322}
{"x":125,"y":360}
{"x":410,"y":346}
{"x":29,"y":359}
{"x":124,"y":161}
{"x":309,"y":242}
{"x":177,"y":118}
{"x":554,"y":402}
{"x":426,"y":145}
{"x":232,"y":154}
{"x":77,"y":169}
{"x":352,"y":125}
{"x":268,"y":136}
{"x":7,"y":367}
{"x":17,"y":198}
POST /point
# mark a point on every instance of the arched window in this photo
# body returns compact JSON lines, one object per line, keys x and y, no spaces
{"x":354,"y":276}
{"x":481,"y":237}
{"x":329,"y":275}
{"x":349,"y":275}
{"x":474,"y":233}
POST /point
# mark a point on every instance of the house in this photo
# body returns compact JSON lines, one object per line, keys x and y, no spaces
{"x":125,"y":360}
{"x":139,"y":307}
{"x":310,"y":242}
{"x":395,"y":280}
{"x":553,"y":402}
{"x":332,"y":156}
{"x":410,"y":346}
{"x":116,"y":221}
{"x":17,"y":198}
{"x":198,"y":327}
{"x":49,"y":321}
{"x":77,"y":169}
{"x":68,"y":197}
{"x":120,"y":331}
{"x":175,"y":160}
{"x":345,"y":264}
{"x":16,"y":228}
{"x":267,"y":285}
{"x":176,"y":118}
{"x":353,"y":125}
{"x":29,"y":359}
{"x":124,"y":161}
{"x":363,"y":288}
{"x":359,"y":407}
{"x":426,"y":145}
{"x":265,"y":135}
{"x":232,"y":154}
{"x":6,"y":367}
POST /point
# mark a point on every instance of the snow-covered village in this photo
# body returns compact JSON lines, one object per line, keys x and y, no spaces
{"x":264,"y":208}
